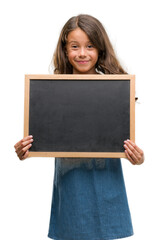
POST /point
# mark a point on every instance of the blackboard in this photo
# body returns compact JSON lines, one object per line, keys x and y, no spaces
{"x":79,"y":115}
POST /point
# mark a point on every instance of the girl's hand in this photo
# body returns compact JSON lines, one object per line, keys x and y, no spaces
{"x":134,"y":154}
{"x":22,"y":147}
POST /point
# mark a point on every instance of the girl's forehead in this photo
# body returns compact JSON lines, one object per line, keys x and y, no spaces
{"x":77,"y":35}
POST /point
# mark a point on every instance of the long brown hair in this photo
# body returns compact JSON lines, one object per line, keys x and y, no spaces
{"x":107,"y":62}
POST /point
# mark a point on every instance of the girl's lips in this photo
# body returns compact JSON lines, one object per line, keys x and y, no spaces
{"x":82,"y":62}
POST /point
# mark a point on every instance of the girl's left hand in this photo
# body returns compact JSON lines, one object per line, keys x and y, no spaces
{"x":134,"y":154}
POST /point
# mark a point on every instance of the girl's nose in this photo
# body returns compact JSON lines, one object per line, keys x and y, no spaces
{"x":82,"y":52}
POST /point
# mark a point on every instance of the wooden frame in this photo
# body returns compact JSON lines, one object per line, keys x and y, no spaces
{"x":125,"y":77}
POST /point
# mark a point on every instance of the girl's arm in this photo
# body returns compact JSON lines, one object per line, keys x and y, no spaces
{"x":22,"y":147}
{"x":133,"y":153}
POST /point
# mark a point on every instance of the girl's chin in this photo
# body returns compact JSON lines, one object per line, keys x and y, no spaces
{"x":84,"y":71}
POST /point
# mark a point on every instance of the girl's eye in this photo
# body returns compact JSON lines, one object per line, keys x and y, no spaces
{"x":74,"y":46}
{"x":90,"y":46}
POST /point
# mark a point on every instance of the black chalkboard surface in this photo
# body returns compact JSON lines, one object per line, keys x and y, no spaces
{"x":79,"y":115}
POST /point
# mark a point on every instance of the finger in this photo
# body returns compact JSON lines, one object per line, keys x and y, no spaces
{"x":135,"y":146}
{"x":131,"y":146}
{"x":22,"y":140}
{"x":23,"y":151}
{"x":25,"y":155}
{"x":23,"y":144}
{"x":137,"y":152}
{"x":129,"y":158}
{"x":131,"y":153}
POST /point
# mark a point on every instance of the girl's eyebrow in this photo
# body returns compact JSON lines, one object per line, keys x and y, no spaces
{"x":74,"y":41}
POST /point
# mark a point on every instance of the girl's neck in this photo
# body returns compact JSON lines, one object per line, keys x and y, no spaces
{"x":89,"y":72}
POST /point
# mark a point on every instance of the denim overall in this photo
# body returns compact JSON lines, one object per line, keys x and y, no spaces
{"x":89,"y":200}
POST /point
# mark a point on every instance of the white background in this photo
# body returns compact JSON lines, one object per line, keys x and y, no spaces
{"x":29,"y":33}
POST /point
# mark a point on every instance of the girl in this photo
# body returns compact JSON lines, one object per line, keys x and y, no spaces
{"x":89,"y":197}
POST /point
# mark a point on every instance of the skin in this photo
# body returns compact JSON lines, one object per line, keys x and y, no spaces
{"x":81,"y":53}
{"x":83,"y":56}
{"x":133,"y":153}
{"x":22,"y":147}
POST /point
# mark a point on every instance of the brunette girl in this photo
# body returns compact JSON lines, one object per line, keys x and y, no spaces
{"x":89,"y":198}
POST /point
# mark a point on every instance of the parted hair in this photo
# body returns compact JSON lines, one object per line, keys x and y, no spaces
{"x":107,"y":61}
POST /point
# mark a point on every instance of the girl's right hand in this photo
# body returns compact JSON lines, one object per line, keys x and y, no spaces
{"x":22,"y":147}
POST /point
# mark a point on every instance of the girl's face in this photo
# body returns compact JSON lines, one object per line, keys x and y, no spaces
{"x":81,"y":53}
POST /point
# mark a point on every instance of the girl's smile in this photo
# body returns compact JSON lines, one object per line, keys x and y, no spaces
{"x":82,"y":62}
{"x":81,"y":53}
